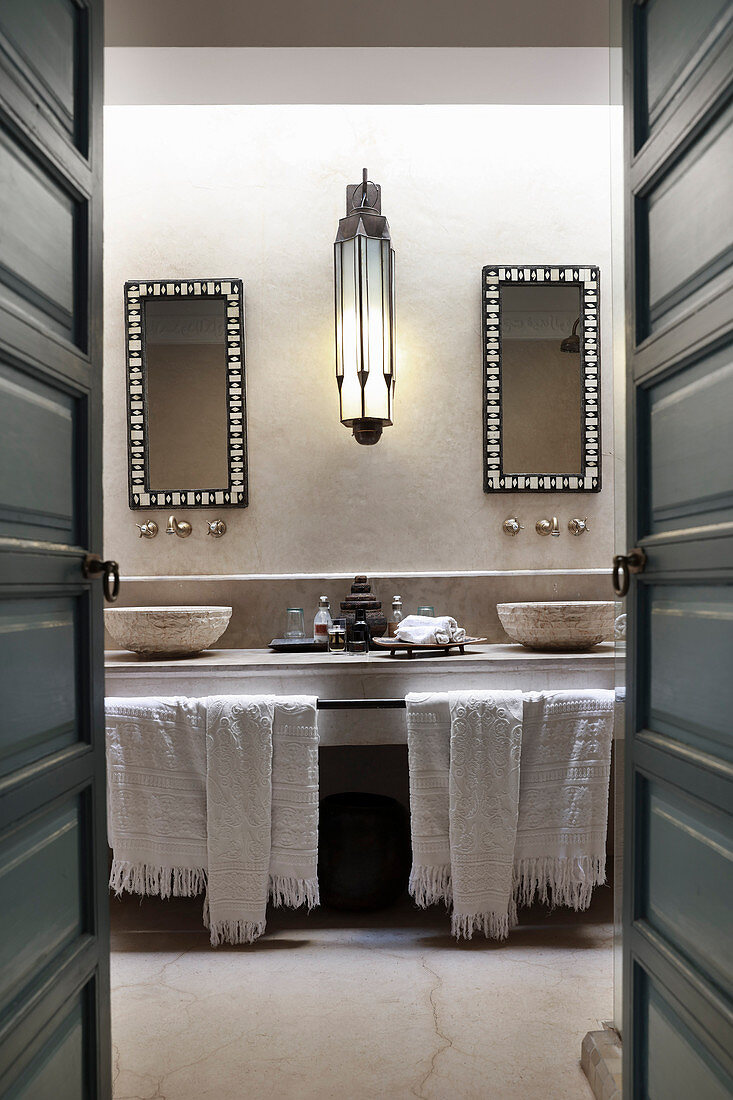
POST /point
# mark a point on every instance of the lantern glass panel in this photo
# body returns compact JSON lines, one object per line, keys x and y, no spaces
{"x":347,"y":261}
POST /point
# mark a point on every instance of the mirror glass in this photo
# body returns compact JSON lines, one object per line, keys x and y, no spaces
{"x":541,"y":384}
{"x":187,"y":430}
{"x":186,"y":392}
{"x":541,"y":379}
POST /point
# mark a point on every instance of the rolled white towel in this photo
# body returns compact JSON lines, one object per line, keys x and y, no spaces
{"x":421,"y":630}
{"x":457,"y":633}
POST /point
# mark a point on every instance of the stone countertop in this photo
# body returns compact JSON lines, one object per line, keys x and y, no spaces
{"x":476,"y":657}
{"x":372,"y":676}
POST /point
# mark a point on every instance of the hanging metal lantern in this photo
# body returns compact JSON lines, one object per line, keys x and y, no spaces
{"x":365,"y":313}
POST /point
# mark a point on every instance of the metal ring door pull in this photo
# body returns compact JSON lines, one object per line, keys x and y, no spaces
{"x":623,"y":566}
{"x":93,"y":565}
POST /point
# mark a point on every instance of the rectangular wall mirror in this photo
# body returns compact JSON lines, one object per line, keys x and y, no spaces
{"x":185,"y":393}
{"x":541,"y":379}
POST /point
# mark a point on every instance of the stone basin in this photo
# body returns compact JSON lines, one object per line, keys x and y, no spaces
{"x":570,"y":625}
{"x":166,"y":631}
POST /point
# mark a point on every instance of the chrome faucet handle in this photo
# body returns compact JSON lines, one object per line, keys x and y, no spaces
{"x":147,"y":530}
{"x":182,"y":529}
{"x":578,"y":526}
{"x":548,"y":527}
{"x":512,"y":526}
{"x":217,"y":528}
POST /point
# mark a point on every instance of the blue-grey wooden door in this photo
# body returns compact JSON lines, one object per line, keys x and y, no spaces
{"x":678,"y":975}
{"x":54,"y":939}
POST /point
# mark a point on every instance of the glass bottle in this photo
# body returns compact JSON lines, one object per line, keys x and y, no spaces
{"x":427,"y":611}
{"x":396,"y":617}
{"x":337,"y":636}
{"x":359,"y":641}
{"x":322,"y":621}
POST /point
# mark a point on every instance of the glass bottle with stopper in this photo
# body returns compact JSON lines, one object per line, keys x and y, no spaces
{"x":396,"y":617}
{"x":322,"y":621}
{"x":337,"y":636}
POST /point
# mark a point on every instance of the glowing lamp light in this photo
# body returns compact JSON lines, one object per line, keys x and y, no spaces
{"x":365,"y":313}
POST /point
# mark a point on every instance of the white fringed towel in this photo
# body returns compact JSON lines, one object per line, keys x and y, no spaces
{"x":294,"y":853}
{"x":168,"y":812}
{"x":485,"y":747}
{"x":560,"y":854}
{"x":239,"y":814}
{"x":464,"y":751}
{"x":462,"y":824}
{"x":428,"y":756}
{"x":156,"y":796}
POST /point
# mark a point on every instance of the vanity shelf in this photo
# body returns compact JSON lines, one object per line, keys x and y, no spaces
{"x":370,"y":677}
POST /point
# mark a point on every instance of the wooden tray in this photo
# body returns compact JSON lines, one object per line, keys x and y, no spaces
{"x":298,"y":645}
{"x":393,"y":644}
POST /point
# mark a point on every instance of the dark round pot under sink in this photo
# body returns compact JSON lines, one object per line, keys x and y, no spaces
{"x":364,"y":852}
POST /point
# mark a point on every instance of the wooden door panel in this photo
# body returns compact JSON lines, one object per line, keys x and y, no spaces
{"x":41,"y":862}
{"x":46,"y":45}
{"x":677,"y":1064}
{"x":672,"y":35}
{"x":678,"y":887}
{"x":54,"y":936}
{"x":58,"y":965}
{"x":58,"y":1069}
{"x":43,"y":256}
{"x":39,"y":718}
{"x":37,"y":487}
{"x":690,"y":687}
{"x":691,"y":445}
{"x":690,"y":843}
{"x":685,"y":227}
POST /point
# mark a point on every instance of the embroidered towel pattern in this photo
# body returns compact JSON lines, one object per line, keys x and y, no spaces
{"x":560,"y":854}
{"x":294,"y":855}
{"x":428,"y":755}
{"x":463,"y":752}
{"x":508,"y":802}
{"x":156,"y":796}
{"x":217,"y":795}
{"x":238,"y":812}
{"x":485,"y":747}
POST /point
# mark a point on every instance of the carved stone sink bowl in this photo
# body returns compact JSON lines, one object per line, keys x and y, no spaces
{"x":166,"y":631}
{"x":567,"y":625}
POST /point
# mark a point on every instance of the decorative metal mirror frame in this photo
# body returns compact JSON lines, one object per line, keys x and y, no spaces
{"x":236,"y":492}
{"x":587,"y":278}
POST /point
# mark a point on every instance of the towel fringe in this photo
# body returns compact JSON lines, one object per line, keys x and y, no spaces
{"x":235,"y":931}
{"x":495,"y":926}
{"x":293,"y":892}
{"x":568,"y":881}
{"x":164,"y":882}
{"x":429,"y":885}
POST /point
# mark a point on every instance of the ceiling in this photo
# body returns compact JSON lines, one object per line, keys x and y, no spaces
{"x":284,"y":23}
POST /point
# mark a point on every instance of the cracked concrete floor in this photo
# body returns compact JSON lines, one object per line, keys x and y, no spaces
{"x":383,"y":1006}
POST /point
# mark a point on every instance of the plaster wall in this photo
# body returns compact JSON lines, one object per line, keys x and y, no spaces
{"x":256,"y":192}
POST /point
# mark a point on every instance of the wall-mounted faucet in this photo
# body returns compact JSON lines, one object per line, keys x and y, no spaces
{"x":147,"y":530}
{"x":578,"y":526}
{"x":548,"y":527}
{"x":182,"y":529}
